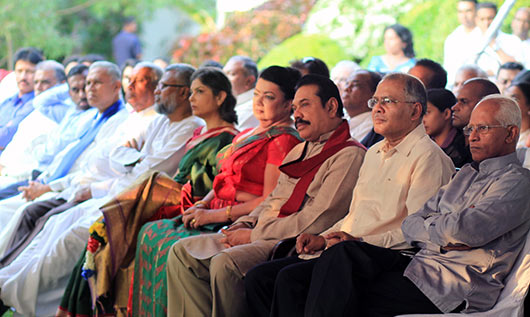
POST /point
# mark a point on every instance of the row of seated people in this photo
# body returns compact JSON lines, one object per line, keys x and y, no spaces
{"x":40,"y":245}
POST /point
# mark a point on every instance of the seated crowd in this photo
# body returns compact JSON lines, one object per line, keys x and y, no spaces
{"x":290,"y":191}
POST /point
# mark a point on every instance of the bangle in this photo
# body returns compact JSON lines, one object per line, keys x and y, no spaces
{"x":201,"y":202}
{"x":228,"y":213}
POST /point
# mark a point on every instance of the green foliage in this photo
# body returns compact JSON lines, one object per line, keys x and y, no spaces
{"x":299,"y":46}
{"x":64,"y":27}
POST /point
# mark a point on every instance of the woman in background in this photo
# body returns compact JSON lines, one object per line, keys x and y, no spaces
{"x":399,"y":56}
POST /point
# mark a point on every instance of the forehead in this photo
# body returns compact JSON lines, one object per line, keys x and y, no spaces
{"x":307,"y":92}
{"x":76,"y":79}
{"x":169,"y":77}
{"x":465,"y":6}
{"x":264,"y":85}
{"x":44,"y":74}
{"x":233,"y":66}
{"x":361,"y":76}
{"x":420,"y":71}
{"x":141,"y":72}
{"x":485,"y":12}
{"x":24,"y":64}
{"x":484,"y":112}
{"x":470,"y":90}
{"x":508,"y":72}
{"x":98,"y":73}
{"x":523,"y":14}
{"x":390,"y":88}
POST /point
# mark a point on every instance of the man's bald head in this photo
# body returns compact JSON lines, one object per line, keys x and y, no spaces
{"x":465,"y":73}
{"x":471,"y":93}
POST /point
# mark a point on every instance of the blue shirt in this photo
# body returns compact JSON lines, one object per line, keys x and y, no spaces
{"x":378,"y":65}
{"x":52,"y":102}
{"x":12,"y":111}
{"x":125,"y":45}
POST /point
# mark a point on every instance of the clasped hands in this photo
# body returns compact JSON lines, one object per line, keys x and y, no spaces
{"x":34,"y":190}
{"x":307,"y":243}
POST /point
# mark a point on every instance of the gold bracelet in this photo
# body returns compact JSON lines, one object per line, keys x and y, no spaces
{"x":201,"y":202}
{"x":228,"y":213}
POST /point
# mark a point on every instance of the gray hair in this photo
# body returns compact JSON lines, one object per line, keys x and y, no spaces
{"x":508,"y":112}
{"x":184,"y":72}
{"x":248,"y":64}
{"x":351,"y":65}
{"x":414,"y":88}
{"x":112,"y":69}
{"x":479,"y":72}
{"x":156,"y":72}
{"x":57,"y":67}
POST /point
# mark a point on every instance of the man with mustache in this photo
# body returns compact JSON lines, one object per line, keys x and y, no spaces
{"x":15,"y":109}
{"x":469,"y":233}
{"x":397,"y":176}
{"x":32,"y":150}
{"x":205,"y":273}
{"x":35,"y":286}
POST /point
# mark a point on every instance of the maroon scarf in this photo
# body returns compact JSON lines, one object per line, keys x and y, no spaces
{"x":306,"y":170}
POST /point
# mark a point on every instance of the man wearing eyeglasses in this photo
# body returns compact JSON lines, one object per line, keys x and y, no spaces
{"x":469,"y":234}
{"x":397,"y":177}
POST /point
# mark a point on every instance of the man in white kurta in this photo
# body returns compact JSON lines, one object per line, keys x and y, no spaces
{"x":34,"y":282}
{"x":243,"y":74}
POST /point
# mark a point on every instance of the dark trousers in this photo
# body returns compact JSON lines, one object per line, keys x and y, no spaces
{"x":265,"y":293}
{"x":358,"y":279}
{"x":34,"y":217}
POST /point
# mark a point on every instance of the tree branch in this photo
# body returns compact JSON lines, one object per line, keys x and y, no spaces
{"x":76,"y":8}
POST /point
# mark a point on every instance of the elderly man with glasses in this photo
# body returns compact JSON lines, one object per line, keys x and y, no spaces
{"x":397,"y":177}
{"x":469,"y":234}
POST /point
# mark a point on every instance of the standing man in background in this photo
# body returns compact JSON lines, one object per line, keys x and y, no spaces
{"x":126,"y":44}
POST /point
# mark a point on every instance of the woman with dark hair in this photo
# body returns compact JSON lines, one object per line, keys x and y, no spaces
{"x":520,"y":91}
{"x":211,"y":99}
{"x":311,"y":65}
{"x":249,"y":171}
{"x":399,"y":47}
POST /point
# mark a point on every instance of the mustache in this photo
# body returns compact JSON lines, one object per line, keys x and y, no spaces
{"x":297,"y":121}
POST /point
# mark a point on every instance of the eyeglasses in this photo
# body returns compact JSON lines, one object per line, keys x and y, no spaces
{"x":164,"y":85}
{"x":481,"y":129}
{"x":384,"y":101}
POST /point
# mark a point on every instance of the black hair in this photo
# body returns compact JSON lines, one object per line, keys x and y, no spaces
{"x":326,"y":90}
{"x":128,"y":20}
{"x":525,"y":89}
{"x":511,"y":66}
{"x":406,"y":37}
{"x":211,"y":63}
{"x":91,"y":58}
{"x":28,"y":54}
{"x":285,"y":77}
{"x":523,"y":76}
{"x":474,"y":1}
{"x":487,"y":5}
{"x":312,"y":65}
{"x":217,"y":81}
{"x":439,"y":78}
{"x":72,"y":58}
{"x":78,"y":69}
{"x":441,"y":98}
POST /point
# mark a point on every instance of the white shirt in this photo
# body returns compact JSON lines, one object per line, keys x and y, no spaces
{"x":361,"y":125}
{"x":163,"y":147}
{"x":459,"y":48}
{"x":8,"y":87}
{"x":489,"y":61}
{"x":245,"y":114}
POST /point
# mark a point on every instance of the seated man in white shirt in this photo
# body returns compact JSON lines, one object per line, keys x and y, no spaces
{"x":18,"y":161}
{"x":243,"y":74}
{"x":31,"y":283}
{"x":360,"y":87}
{"x":340,"y":74}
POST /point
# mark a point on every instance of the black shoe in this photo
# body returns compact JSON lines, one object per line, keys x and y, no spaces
{"x":3,"y":308}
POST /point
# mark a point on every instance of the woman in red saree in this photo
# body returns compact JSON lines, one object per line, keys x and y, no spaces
{"x":249,"y":172}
